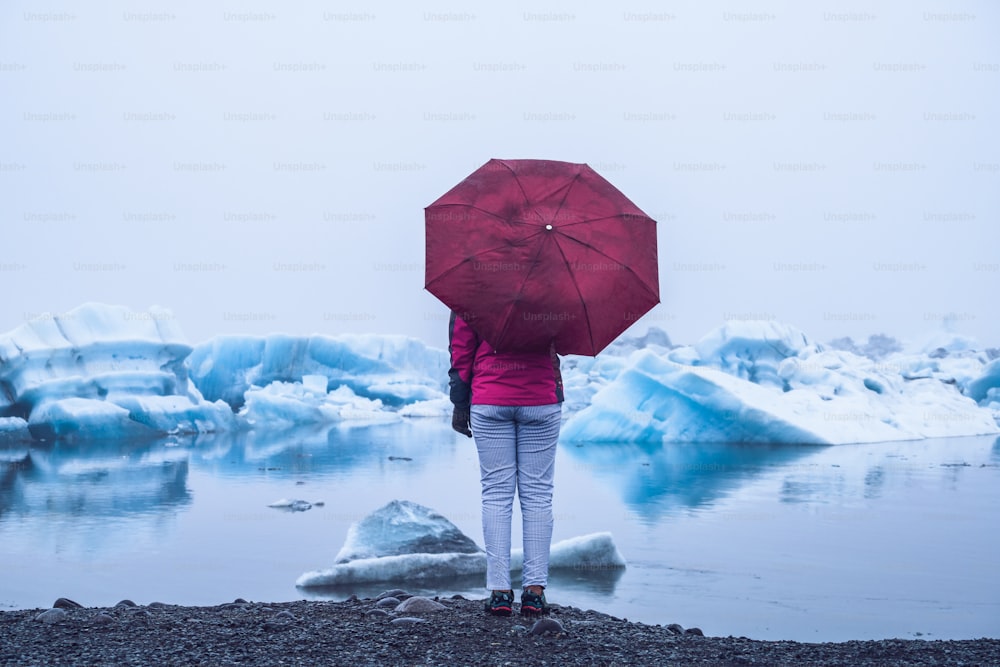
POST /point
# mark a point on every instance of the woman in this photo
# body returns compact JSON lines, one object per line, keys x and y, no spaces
{"x":512,"y":402}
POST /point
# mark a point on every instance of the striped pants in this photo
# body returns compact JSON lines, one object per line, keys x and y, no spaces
{"x":517,"y":451}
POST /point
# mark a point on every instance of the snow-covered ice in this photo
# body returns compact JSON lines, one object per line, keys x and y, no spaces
{"x":405,"y":540}
{"x":396,"y":370}
{"x":103,"y":371}
{"x":762,"y":381}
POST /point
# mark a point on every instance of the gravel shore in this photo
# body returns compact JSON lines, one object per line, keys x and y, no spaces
{"x":398,"y":629}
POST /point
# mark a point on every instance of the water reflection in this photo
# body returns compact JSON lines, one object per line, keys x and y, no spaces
{"x":595,"y":583}
{"x":657,"y":479}
{"x":122,"y":478}
{"x":318,"y":452}
{"x":102,"y":479}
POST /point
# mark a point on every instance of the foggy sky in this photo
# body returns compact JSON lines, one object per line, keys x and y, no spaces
{"x":263,"y":167}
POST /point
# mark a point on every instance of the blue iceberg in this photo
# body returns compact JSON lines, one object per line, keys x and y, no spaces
{"x":404,"y":541}
{"x":751,"y":381}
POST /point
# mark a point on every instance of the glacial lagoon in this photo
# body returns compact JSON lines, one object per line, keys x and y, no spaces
{"x":767,"y":541}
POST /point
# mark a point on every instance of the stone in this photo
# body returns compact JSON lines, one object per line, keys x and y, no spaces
{"x":276,"y":626}
{"x":547,"y":626}
{"x":51,"y":616}
{"x":388,"y":602}
{"x":126,"y":603}
{"x":394,"y":593}
{"x":66,"y":603}
{"x":407,"y":620}
{"x":376,"y":612}
{"x":676,"y":629}
{"x":103,"y":619}
{"x":417,"y":604}
{"x":694,"y":631}
{"x":285,"y":616}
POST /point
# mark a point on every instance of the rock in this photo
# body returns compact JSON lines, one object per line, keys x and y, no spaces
{"x":407,"y":620}
{"x":66,"y":603}
{"x":157,"y":605}
{"x":376,"y":612}
{"x":419,"y":604}
{"x":389,"y":602}
{"x":353,"y":598}
{"x":103,"y":619}
{"x":547,"y":626}
{"x":51,"y":616}
{"x":694,"y":631}
{"x":126,"y":603}
{"x":518,"y":630}
{"x":397,"y":593}
{"x":458,"y":596}
{"x":285,"y":616}
{"x":276,"y":626}
{"x":676,"y":629}
{"x":240,"y":601}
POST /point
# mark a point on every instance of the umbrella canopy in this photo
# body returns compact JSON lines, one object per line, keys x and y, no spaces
{"x":534,"y":251}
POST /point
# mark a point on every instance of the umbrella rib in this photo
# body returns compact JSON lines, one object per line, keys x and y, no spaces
{"x":606,"y":217}
{"x":625,"y":266}
{"x":520,"y":291}
{"x":483,"y":210}
{"x":516,"y":180}
{"x":555,"y":216}
{"x":469,"y":259}
{"x":576,"y":286}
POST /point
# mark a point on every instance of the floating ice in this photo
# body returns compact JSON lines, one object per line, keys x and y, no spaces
{"x":407,"y":541}
{"x":985,"y":389}
{"x":765,"y":382}
{"x":403,"y":527}
{"x":103,"y":371}
{"x":296,"y":505}
{"x":106,"y":371}
{"x":396,"y":370}
{"x":281,"y":405}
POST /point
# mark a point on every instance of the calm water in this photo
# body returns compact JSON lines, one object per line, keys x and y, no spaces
{"x":807,"y":543}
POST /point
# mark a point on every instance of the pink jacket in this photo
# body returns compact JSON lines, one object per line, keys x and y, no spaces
{"x":483,"y":376}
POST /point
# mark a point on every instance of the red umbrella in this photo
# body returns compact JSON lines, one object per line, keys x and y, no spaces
{"x":534,"y":251}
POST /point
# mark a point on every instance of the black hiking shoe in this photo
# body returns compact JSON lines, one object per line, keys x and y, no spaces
{"x":533,"y":604}
{"x":501,"y":603}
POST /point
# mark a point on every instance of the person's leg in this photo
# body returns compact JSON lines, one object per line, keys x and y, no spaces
{"x":494,"y":433}
{"x":537,"y":434}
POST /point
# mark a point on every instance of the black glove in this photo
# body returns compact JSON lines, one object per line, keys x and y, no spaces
{"x":461,"y":421}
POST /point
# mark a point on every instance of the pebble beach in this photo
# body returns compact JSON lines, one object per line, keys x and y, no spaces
{"x":396,"y":628}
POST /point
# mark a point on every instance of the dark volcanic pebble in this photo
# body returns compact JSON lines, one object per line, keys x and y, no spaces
{"x":418,"y":604}
{"x":408,"y":620}
{"x":65,"y":603}
{"x":397,"y":593}
{"x":544,"y":626}
{"x":339,"y":633}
